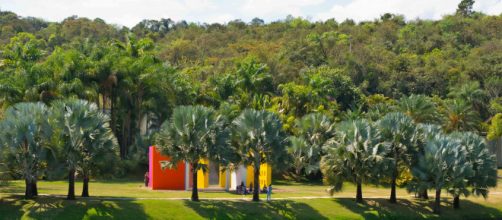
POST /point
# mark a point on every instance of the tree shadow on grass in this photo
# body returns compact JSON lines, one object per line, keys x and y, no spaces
{"x":10,"y":187}
{"x":15,"y":207}
{"x":278,"y":209}
{"x":418,"y":209}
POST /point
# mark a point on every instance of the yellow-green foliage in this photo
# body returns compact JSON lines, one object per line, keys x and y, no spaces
{"x":495,"y":128}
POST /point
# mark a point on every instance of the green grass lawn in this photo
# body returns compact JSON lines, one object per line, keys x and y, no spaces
{"x":129,"y":200}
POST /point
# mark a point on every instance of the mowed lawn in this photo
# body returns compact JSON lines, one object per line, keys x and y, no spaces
{"x":129,"y":200}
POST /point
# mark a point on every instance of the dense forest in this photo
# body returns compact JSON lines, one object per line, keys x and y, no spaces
{"x":451,"y":67}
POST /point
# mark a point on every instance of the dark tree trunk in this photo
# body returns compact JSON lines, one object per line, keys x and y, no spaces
{"x":126,"y":125}
{"x":393,"y":190}
{"x":256,"y":183}
{"x":85,"y":188}
{"x":112,"y":113}
{"x":124,"y":138}
{"x":28,"y":192}
{"x":393,"y":183}
{"x":195,"y":193}
{"x":34,"y":188}
{"x":139,"y":101}
{"x":437,"y":202}
{"x":424,"y":194}
{"x":359,"y":193}
{"x":71,"y":185}
{"x":129,"y":132}
{"x":456,"y":202}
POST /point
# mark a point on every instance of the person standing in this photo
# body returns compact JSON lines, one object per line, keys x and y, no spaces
{"x":147,"y":179}
{"x":269,"y":192}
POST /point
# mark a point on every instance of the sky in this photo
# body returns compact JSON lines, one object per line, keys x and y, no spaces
{"x":130,"y":12}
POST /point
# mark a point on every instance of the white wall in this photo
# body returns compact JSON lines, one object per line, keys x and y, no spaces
{"x":237,"y":176}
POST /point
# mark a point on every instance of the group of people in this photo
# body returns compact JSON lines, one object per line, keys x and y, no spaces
{"x":241,"y":189}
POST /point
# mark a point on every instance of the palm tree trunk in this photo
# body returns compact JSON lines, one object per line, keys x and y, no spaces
{"x":393,"y":186}
{"x":437,"y":203}
{"x":124,"y":137}
{"x":456,"y":202}
{"x":359,"y":193}
{"x":298,"y":172}
{"x":71,"y":184}
{"x":393,"y":183}
{"x":129,"y":132}
{"x":85,"y":188}
{"x":28,"y":193}
{"x":256,"y":183}
{"x":195,"y":193}
{"x":104,"y":102}
{"x":112,"y":112}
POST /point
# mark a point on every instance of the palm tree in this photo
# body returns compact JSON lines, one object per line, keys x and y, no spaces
{"x":459,"y":116}
{"x":399,"y":131}
{"x":80,"y":128}
{"x":425,"y":133}
{"x":253,"y":77}
{"x":193,"y":133}
{"x":100,"y":146}
{"x":484,"y":165}
{"x":355,"y":154}
{"x":259,"y":139}
{"x":419,"y":108}
{"x":473,"y":95}
{"x":315,"y":129}
{"x":299,"y":151}
{"x":24,"y":134}
{"x":445,"y":164}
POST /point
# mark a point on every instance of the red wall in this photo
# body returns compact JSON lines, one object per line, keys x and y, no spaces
{"x":173,"y":179}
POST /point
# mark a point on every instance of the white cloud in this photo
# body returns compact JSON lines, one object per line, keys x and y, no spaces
{"x":264,"y":8}
{"x":222,"y":18}
{"x":360,"y":10}
{"x":125,"y":12}
{"x":130,"y":12}
{"x":492,"y":7}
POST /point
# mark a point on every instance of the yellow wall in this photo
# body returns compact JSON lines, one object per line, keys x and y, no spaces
{"x":265,"y":175}
{"x":223,"y":178}
{"x":203,"y":178}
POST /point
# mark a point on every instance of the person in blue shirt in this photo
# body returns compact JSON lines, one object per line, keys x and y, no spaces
{"x":269,"y":192}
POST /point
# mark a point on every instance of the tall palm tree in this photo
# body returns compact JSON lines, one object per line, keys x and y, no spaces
{"x":484,"y":165}
{"x":425,"y":133}
{"x":315,"y":129}
{"x":419,"y":108}
{"x":356,"y":154}
{"x":399,"y":131}
{"x":25,"y":134}
{"x":100,"y":145}
{"x":299,"y":150}
{"x":444,"y":162}
{"x":260,"y":139}
{"x":193,"y":133}
{"x":80,"y":128}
